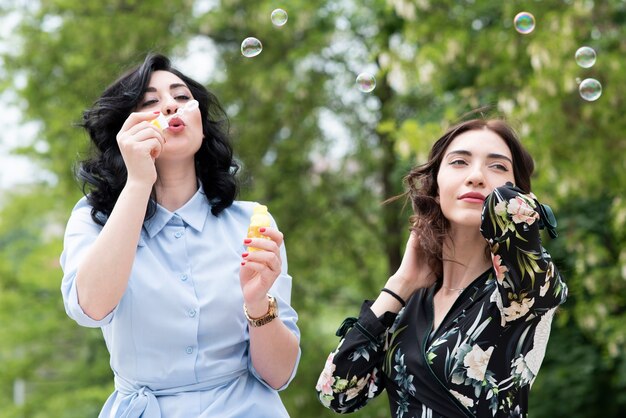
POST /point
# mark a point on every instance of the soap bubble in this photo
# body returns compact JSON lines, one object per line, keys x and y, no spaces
{"x":524,"y":23}
{"x":279,"y":17}
{"x":585,"y":57}
{"x":251,"y":47}
{"x":365,"y":82}
{"x":590,"y":89}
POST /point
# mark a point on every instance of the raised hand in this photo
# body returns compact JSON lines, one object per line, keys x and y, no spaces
{"x":260,"y":269}
{"x":414,"y":272}
{"x":140,"y":144}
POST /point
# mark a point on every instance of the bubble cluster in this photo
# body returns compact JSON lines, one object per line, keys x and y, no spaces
{"x":279,"y":17}
{"x":590,"y":89}
{"x":366,"y":82}
{"x":524,"y":23}
{"x":251,"y":47}
{"x":585,"y":57}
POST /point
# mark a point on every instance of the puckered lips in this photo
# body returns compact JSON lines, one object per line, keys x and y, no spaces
{"x":176,"y":124}
{"x":472,"y":197}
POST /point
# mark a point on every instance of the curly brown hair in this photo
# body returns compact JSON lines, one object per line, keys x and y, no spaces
{"x":428,"y":220}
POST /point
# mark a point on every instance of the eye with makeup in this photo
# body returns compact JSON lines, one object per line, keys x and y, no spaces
{"x":458,"y":162}
{"x":182,"y":97}
{"x":148,"y":102}
{"x":499,"y":166}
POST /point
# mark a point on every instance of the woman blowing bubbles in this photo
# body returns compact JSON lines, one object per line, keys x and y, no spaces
{"x":460,"y":330}
{"x":155,"y":256}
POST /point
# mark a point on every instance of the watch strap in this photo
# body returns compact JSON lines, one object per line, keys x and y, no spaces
{"x":271,"y":314}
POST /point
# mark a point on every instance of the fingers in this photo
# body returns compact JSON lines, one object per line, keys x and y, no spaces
{"x":138,"y":137}
{"x":140,"y":132}
{"x":271,"y":241}
{"x":137,"y":117}
{"x":267,"y":254}
{"x":273,"y":234}
{"x":260,"y":261}
{"x":142,"y":143}
{"x":259,"y":271}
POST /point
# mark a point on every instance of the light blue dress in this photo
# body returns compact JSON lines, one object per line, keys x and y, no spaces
{"x":178,"y":339}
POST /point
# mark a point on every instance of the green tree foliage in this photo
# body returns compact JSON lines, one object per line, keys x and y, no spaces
{"x":323,"y":156}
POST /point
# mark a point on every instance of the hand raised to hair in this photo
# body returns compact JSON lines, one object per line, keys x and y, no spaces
{"x":414,"y":272}
{"x":140,"y":144}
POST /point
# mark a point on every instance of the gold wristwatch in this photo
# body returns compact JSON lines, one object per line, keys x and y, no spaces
{"x":272,"y":313}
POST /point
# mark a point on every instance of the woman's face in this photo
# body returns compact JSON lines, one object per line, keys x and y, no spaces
{"x":166,"y":93}
{"x":473,"y":165}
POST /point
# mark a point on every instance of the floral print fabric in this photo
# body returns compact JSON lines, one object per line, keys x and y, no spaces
{"x":483,"y":358}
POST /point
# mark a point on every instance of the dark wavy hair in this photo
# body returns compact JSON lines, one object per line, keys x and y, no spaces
{"x":103,"y":174}
{"x":428,"y":220}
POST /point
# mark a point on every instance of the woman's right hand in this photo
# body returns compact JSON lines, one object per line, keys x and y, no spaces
{"x":140,"y":144}
{"x":414,"y":272}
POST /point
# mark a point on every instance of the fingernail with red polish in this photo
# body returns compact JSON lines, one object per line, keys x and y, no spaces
{"x":247,"y":241}
{"x":261,"y":230}
{"x":243,"y":263}
{"x":244,"y":255}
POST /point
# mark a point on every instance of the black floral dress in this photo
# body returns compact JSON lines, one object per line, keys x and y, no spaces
{"x":483,"y":358}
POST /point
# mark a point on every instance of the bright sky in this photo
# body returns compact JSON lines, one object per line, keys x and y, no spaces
{"x":13,"y":169}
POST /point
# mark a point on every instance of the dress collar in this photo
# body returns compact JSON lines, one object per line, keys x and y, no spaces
{"x":192,"y":213}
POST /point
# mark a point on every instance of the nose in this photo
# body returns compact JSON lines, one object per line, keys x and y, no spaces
{"x":475,"y":177}
{"x":169,"y":105}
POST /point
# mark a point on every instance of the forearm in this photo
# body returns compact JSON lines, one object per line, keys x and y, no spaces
{"x":351,"y":376}
{"x":386,"y":302}
{"x":103,"y":274}
{"x":525,"y":273}
{"x":274,"y":350}
{"x":413,"y":274}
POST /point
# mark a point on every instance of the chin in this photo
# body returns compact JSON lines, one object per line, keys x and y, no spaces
{"x":466,"y":222}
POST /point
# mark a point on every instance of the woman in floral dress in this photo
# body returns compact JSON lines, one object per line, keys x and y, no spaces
{"x":460,"y":330}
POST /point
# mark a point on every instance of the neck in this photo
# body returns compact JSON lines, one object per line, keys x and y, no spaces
{"x":463,"y":258}
{"x":175,"y":185}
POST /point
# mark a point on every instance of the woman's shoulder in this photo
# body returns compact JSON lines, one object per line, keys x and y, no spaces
{"x":242,"y":207}
{"x":82,"y":206}
{"x":82,"y":211}
{"x":242,"y":210}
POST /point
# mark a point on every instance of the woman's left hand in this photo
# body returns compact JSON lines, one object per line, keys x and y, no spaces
{"x":260,"y":269}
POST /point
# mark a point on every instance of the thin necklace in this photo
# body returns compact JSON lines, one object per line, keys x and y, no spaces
{"x":459,"y":289}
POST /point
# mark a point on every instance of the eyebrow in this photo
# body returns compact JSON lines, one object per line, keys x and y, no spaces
{"x":172,"y":87}
{"x":490,"y":155}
